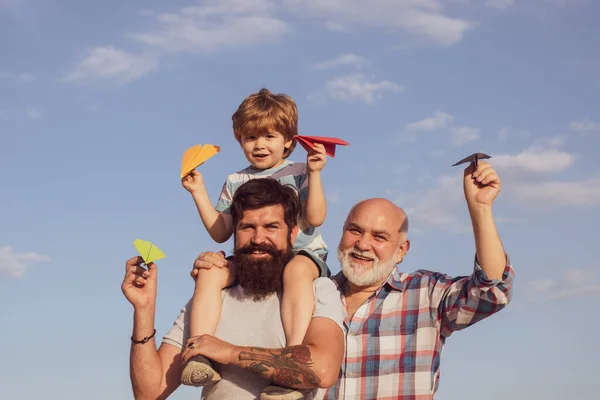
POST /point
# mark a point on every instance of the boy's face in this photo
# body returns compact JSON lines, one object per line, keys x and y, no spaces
{"x":264,"y":150}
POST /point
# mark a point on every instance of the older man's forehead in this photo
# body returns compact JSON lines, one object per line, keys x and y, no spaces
{"x":374,"y":220}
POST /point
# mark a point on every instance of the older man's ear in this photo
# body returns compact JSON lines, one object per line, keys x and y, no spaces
{"x":402,"y":251}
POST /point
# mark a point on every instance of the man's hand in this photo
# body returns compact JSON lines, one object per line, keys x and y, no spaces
{"x":481,"y":186}
{"x":210,"y":347}
{"x":139,"y":284}
{"x":316,"y":158}
{"x":209,"y":259}
{"x":193,"y":182}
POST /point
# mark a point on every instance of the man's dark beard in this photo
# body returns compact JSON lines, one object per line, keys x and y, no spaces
{"x":261,"y":277}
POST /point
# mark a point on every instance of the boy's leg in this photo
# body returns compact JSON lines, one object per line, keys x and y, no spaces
{"x":298,"y":300}
{"x":297,"y":306}
{"x":205,"y":311}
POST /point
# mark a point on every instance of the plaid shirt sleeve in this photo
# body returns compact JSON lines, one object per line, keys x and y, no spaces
{"x":465,"y":300}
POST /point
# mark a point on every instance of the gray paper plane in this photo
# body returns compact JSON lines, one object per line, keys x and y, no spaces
{"x":474,"y":158}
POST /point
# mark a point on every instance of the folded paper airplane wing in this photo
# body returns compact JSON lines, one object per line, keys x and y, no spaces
{"x":308,"y":142}
{"x":196,"y":156}
{"x":148,"y":251}
{"x":473,"y":158}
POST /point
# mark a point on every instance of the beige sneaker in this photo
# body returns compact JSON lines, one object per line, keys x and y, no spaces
{"x":274,"y":392}
{"x":199,"y":372}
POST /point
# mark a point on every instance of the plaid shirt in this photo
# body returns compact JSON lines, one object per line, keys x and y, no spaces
{"x":395,"y":339}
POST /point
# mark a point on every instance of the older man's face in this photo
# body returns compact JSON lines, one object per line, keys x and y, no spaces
{"x":263,"y":246}
{"x":371,"y":244}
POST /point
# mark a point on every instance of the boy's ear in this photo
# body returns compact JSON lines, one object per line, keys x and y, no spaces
{"x":288,"y":144}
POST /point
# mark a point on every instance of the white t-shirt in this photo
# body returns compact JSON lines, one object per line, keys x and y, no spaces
{"x":247,"y":323}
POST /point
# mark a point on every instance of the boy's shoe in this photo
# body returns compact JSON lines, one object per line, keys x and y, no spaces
{"x":274,"y":392}
{"x":199,"y":372}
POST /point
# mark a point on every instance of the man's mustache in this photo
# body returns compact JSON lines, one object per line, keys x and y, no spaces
{"x":252,"y":247}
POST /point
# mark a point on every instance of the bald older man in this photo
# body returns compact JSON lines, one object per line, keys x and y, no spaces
{"x":398,"y":322}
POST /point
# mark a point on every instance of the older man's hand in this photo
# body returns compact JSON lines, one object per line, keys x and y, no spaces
{"x":210,"y":347}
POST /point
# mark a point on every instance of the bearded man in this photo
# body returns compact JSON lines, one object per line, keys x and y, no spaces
{"x":248,"y":348}
{"x":398,"y":322}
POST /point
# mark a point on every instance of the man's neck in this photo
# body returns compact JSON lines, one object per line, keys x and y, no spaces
{"x":357,"y":295}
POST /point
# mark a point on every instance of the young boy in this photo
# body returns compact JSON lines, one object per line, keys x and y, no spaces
{"x":265,"y":125}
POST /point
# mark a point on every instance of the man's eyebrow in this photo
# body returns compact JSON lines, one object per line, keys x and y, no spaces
{"x":278,"y":223}
{"x":381,"y":232}
{"x":352,"y":225}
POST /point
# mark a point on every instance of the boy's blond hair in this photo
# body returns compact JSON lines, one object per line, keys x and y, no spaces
{"x":265,"y":111}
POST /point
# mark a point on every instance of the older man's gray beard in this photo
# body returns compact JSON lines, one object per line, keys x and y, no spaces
{"x":360,"y":275}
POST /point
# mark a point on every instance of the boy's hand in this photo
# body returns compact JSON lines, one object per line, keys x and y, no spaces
{"x":207,"y":260}
{"x":316,"y":158}
{"x":193,"y":182}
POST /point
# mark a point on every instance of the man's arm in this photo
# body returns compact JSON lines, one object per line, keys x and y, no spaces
{"x":154,"y":374}
{"x":481,"y":187}
{"x":463,"y":301}
{"x":466,"y":300}
{"x":313,"y":364}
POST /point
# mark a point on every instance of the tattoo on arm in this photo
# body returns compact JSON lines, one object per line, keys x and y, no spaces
{"x":290,"y":366}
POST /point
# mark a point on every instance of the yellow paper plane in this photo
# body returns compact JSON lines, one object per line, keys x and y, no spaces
{"x":148,"y":251}
{"x":196,"y":156}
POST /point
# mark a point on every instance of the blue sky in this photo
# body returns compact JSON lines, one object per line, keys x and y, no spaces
{"x":98,"y":101}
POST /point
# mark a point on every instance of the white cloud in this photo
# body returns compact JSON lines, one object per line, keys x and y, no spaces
{"x":20,"y":77}
{"x":214,"y":25}
{"x":506,"y":133}
{"x":536,"y":161}
{"x":33,"y":114}
{"x":585,"y":125}
{"x":584,"y":193}
{"x":347,"y":59}
{"x":428,"y":209}
{"x":423,"y":19}
{"x":440,"y":205}
{"x":110,"y":64}
{"x":464,"y":134}
{"x":356,"y":87}
{"x":439,"y":121}
{"x":15,"y":264}
{"x":574,"y":283}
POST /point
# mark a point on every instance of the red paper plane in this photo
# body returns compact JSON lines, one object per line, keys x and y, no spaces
{"x":308,"y":142}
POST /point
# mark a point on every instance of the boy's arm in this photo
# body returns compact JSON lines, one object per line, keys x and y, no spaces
{"x":218,"y":224}
{"x":314,"y":208}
